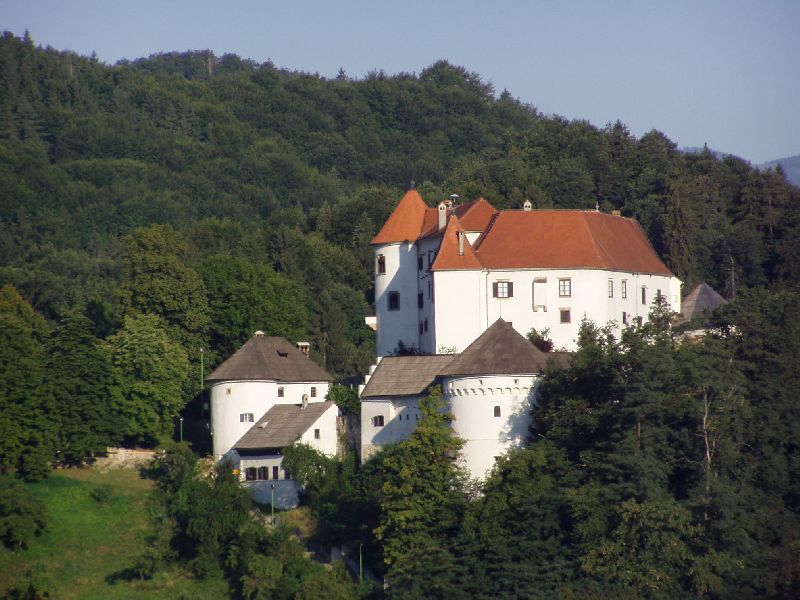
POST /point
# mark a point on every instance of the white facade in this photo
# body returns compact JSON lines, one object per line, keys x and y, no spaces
{"x":237,"y":405}
{"x":396,"y":296}
{"x":492,"y":414}
{"x":541,"y":299}
{"x":387,"y":420}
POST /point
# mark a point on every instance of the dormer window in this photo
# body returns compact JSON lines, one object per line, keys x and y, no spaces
{"x":380,"y":266}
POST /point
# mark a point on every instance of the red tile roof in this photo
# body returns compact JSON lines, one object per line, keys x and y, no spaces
{"x":474,"y":216}
{"x":405,"y":223}
{"x":448,"y":257}
{"x":553,"y":239}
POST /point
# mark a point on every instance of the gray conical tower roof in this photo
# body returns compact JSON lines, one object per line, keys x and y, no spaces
{"x":702,"y":299}
{"x":269,"y":358}
{"x":500,"y":350}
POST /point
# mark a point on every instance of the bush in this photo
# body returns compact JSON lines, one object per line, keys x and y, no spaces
{"x":22,"y":515}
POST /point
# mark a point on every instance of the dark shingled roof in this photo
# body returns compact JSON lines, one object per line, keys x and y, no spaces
{"x":405,"y":375}
{"x":269,"y":358}
{"x":500,"y":350}
{"x":282,"y":425}
{"x":702,"y":299}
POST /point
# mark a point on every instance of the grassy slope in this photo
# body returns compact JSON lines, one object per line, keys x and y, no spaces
{"x":87,"y":542}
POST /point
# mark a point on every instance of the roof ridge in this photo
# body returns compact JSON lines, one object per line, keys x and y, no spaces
{"x":485,"y":233}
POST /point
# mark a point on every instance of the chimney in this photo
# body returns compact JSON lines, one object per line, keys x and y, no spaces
{"x":616,"y":213}
{"x":304,"y":347}
{"x":259,"y":333}
{"x":527,"y":205}
{"x":460,"y":236}
{"x":442,"y":215}
{"x":304,"y":405}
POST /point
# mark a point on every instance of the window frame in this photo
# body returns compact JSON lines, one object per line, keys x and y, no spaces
{"x":624,"y":290}
{"x":565,"y":287}
{"x":568,"y":313}
{"x":502,"y":289}
{"x":610,"y":288}
{"x":393,"y":300}
{"x":380,"y":264}
{"x":497,"y":412}
{"x":644,"y":295}
{"x":313,"y":392}
{"x":378,"y":421}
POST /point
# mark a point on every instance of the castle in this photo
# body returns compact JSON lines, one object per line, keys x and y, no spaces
{"x":444,"y":275}
{"x":471,"y":281}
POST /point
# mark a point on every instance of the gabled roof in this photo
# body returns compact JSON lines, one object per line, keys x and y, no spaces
{"x":474,"y":216}
{"x":564,"y":239}
{"x":500,"y":350}
{"x":405,"y":223}
{"x":450,"y":256}
{"x":405,"y":375}
{"x":282,"y":425}
{"x":269,"y":358}
{"x":702,"y":299}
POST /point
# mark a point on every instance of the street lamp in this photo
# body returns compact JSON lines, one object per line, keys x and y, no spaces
{"x":181,"y":419}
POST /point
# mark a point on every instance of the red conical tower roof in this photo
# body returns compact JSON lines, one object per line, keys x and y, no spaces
{"x":405,"y":223}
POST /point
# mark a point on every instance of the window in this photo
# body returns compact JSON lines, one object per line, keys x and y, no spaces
{"x":658,"y":296}
{"x":280,"y":392}
{"x":565,"y":288}
{"x":624,"y":318}
{"x":380,"y":267}
{"x":420,"y":327}
{"x":624,"y":288}
{"x":394,"y":300}
{"x":275,"y":472}
{"x":419,"y":300}
{"x":539,"y":294}
{"x":610,"y":288}
{"x":246,"y":418}
{"x":565,"y":316}
{"x":313,"y":392}
{"x":496,"y":411}
{"x":425,"y":323}
{"x":503,"y":289}
{"x":228,"y":391}
{"x":644,"y":295}
{"x":420,"y":266}
{"x":377,"y":421}
{"x":250,"y":474}
{"x":263,"y":473}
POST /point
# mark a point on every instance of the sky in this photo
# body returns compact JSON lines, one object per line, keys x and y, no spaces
{"x":721,"y":72}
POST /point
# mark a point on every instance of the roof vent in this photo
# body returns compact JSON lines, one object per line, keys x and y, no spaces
{"x":282,"y":354}
{"x":616,"y":213}
{"x":259,"y":333}
{"x":527,"y":205}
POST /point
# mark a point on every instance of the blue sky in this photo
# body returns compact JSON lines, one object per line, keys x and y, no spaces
{"x":718,"y":72}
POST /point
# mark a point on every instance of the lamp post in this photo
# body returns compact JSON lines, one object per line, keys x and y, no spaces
{"x":272,"y":506}
{"x":201,"y":369}
{"x":360,"y":564}
{"x":181,"y":419}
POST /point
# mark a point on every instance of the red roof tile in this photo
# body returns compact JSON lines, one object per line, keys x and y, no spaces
{"x":477,"y":215}
{"x":553,"y":239}
{"x":448,"y":257}
{"x":405,"y":223}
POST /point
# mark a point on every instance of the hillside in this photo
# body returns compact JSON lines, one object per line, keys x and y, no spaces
{"x":271,"y":175}
{"x":790,"y":166}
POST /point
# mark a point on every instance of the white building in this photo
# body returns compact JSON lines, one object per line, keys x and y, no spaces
{"x":258,"y":455}
{"x":444,"y":275}
{"x":489,"y":388}
{"x":264,"y":372}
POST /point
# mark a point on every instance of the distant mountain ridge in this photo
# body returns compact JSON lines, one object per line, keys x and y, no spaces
{"x":790,"y":164}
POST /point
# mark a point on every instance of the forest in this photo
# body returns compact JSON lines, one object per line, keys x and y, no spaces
{"x":163,"y":209}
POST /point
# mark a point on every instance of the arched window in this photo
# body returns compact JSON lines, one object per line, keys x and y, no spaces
{"x":496,"y":411}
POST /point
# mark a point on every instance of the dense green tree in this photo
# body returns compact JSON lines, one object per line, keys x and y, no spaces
{"x":152,"y":369}
{"x":85,"y":389}
{"x":22,"y":515}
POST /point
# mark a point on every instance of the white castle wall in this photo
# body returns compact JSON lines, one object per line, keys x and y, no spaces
{"x":400,"y":276}
{"x":400,"y":417}
{"x":465,"y":305}
{"x":473,"y":400}
{"x":230,"y":399}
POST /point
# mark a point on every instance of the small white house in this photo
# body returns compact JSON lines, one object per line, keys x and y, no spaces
{"x":265,"y":372}
{"x":258,"y":455}
{"x":489,"y":388}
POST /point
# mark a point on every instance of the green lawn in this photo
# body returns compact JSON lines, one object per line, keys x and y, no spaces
{"x":88,"y":542}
